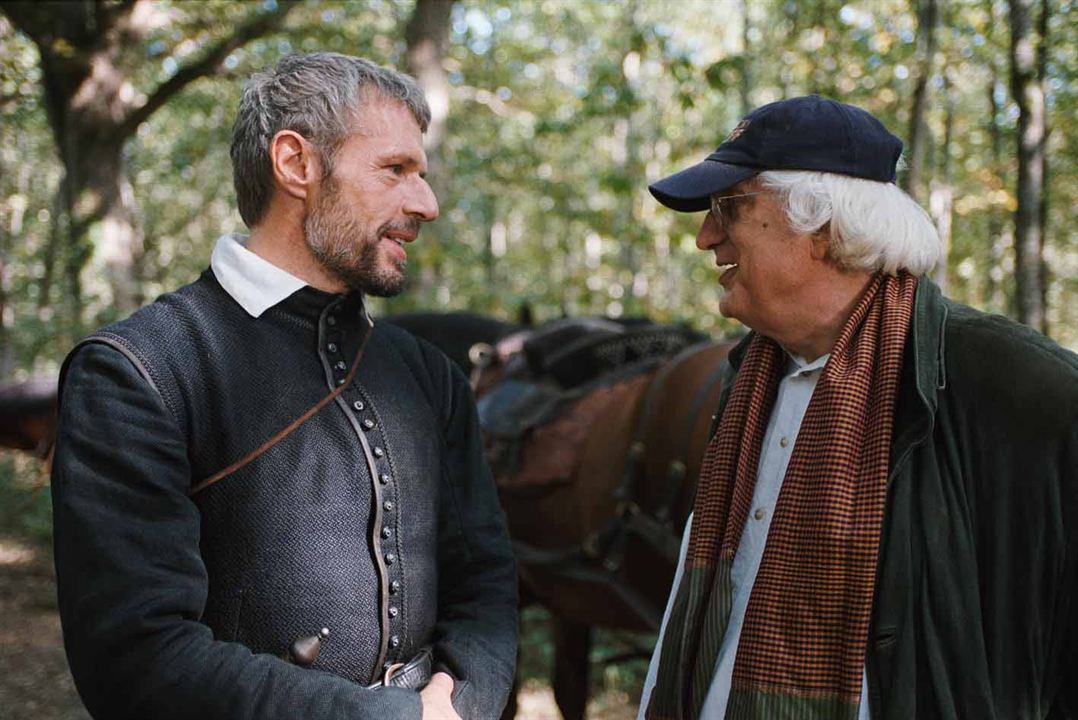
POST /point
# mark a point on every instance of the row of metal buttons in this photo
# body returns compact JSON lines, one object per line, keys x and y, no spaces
{"x":368,"y":424}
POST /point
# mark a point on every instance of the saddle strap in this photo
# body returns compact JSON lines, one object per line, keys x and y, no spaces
{"x":679,"y":465}
{"x":626,"y":490}
{"x":251,"y":456}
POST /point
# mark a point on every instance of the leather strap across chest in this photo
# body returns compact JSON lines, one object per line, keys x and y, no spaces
{"x":286,"y":431}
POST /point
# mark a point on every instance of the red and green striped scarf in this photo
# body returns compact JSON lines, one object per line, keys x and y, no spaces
{"x":802,"y":645}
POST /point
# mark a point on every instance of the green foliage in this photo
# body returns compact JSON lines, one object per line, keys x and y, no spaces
{"x":561,"y":111}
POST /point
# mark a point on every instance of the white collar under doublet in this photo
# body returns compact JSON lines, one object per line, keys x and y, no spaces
{"x":252,"y":281}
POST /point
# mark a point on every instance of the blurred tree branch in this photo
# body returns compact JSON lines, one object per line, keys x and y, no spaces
{"x":207,"y":63}
{"x":90,"y":56}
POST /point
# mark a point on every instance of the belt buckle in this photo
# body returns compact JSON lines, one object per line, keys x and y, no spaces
{"x":389,"y":672}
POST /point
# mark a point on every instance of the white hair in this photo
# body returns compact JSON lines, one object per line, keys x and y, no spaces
{"x":874,"y":226}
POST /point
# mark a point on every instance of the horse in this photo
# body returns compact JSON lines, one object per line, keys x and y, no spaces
{"x":596,"y":431}
{"x":454,"y":332}
{"x":28,"y":415}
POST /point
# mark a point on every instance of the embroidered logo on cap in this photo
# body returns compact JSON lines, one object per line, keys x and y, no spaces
{"x":738,"y":131}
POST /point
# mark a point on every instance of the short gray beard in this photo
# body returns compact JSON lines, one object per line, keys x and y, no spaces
{"x":348,"y":251}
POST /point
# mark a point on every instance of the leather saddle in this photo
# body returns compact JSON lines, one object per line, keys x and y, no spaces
{"x":536,"y":420}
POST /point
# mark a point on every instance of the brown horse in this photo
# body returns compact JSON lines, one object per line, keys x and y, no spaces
{"x":28,"y":415}
{"x":598,"y":490}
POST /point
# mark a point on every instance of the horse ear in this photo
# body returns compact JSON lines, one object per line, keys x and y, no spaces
{"x":525,"y":315}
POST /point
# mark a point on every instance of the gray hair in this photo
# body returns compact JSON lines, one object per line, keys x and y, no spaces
{"x":317,"y":95}
{"x":874,"y":226}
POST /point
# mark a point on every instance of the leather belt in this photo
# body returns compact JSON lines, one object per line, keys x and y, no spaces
{"x":412,"y":675}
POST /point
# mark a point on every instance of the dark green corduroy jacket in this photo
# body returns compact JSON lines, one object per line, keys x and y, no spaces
{"x":976,"y":608}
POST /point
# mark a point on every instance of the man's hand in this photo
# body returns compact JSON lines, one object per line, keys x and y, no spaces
{"x":437,"y":704}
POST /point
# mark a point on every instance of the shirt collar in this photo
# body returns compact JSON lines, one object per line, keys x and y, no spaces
{"x":252,"y":281}
{"x":799,"y":366}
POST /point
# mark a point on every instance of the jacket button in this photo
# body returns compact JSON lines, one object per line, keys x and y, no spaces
{"x":340,"y":365}
{"x":390,"y":558}
{"x":340,"y":381}
{"x":394,"y":587}
{"x":383,"y":478}
{"x":368,"y":423}
{"x":393,"y":612}
{"x":379,"y":452}
{"x":332,"y":347}
{"x":387,"y":533}
{"x":358,"y":404}
{"x":387,"y":505}
{"x":331,"y":320}
{"x":394,"y":642}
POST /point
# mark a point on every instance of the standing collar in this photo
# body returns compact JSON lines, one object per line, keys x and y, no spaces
{"x":252,"y":281}
{"x":926,"y":341}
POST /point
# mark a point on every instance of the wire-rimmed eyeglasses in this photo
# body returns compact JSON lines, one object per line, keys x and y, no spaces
{"x":723,"y":218}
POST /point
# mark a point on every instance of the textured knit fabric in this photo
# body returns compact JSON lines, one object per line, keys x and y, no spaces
{"x":181,"y":607}
{"x":803,"y":643}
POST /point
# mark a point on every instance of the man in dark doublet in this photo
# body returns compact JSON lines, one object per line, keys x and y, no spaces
{"x":268,"y":505}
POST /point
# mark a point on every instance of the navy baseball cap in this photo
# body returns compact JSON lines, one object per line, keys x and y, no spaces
{"x":802,"y":133}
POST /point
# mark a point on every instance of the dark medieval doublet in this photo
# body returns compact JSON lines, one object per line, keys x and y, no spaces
{"x":401,"y":545}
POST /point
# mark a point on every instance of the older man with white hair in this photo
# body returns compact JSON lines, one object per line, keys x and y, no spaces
{"x":886,"y":522}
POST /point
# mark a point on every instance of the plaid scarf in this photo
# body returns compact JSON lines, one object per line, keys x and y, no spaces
{"x":802,"y":647}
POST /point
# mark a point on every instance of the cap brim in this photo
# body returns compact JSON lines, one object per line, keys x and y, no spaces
{"x":691,"y":189}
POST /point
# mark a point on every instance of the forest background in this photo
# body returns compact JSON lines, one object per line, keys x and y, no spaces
{"x":550,"y":118}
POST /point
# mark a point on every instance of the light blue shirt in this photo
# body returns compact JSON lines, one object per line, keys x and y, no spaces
{"x":795,"y":391}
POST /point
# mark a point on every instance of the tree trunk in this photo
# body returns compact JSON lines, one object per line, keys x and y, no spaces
{"x":427,"y":37}
{"x":927,"y":14}
{"x":999,"y":233}
{"x":941,"y":193}
{"x":746,"y":59}
{"x":1042,"y":210}
{"x":1029,"y":95}
{"x":627,"y":131}
{"x":91,"y":54}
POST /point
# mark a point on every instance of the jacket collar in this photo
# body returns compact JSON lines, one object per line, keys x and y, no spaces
{"x":926,"y":342}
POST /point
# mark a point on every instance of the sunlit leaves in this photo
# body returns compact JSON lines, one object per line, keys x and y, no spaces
{"x":561,"y":112}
